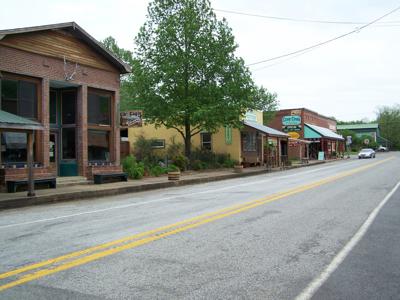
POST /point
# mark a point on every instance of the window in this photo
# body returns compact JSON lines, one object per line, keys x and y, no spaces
{"x":53,"y":107}
{"x":68,"y":107}
{"x":19,"y":97}
{"x":14,"y":147}
{"x":205,"y":140}
{"x":68,"y":143}
{"x":98,"y":145}
{"x":157,"y":144}
{"x":249,"y":141}
{"x":99,"y":109}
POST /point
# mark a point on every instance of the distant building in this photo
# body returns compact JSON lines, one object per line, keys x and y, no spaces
{"x":371,"y":129}
{"x":317,"y":131}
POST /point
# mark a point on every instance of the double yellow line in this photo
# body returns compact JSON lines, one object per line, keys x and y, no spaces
{"x":35,"y":271}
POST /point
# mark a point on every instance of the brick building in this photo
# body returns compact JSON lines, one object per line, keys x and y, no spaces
{"x":317,"y":131}
{"x":62,"y":78}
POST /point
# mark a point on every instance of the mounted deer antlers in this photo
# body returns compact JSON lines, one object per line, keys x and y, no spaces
{"x":71,"y":76}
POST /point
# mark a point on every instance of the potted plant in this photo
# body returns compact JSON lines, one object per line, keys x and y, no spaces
{"x":173,"y":172}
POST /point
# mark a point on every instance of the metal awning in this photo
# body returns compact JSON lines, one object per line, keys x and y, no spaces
{"x":14,"y":122}
{"x":265,"y":129}
{"x":314,"y":131}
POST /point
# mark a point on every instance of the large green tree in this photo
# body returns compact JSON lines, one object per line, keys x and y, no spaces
{"x":187,"y":75}
{"x":389,"y":123}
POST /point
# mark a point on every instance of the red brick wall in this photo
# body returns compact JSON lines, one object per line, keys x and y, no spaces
{"x":307,"y":116}
{"x":22,"y":173}
{"x":47,"y":68}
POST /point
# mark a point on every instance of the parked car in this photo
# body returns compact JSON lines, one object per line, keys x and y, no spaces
{"x":382,"y":149}
{"x":366,"y":153}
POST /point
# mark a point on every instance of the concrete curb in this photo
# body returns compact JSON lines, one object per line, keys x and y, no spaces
{"x":71,"y":196}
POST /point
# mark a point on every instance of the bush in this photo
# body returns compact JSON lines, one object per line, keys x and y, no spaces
{"x":172,"y":168}
{"x":134,"y":169}
{"x":143,"y":151}
{"x":181,"y":162}
{"x":157,"y":171}
{"x":204,"y":159}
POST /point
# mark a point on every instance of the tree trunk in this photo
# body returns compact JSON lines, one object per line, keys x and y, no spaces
{"x":188,"y":138}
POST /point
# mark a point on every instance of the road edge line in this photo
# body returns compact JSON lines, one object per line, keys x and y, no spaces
{"x":317,"y":282}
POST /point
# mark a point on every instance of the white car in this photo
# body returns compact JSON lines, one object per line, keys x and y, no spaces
{"x":366,"y":153}
{"x":382,"y":148}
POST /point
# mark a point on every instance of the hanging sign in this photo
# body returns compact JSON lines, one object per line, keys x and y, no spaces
{"x":133,"y":118}
{"x":289,"y":128}
{"x":294,"y":135}
{"x":291,"y":120}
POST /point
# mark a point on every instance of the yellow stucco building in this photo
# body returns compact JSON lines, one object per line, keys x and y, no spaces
{"x":244,"y":145}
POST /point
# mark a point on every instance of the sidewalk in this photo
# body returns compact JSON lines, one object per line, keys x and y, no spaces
{"x":78,"y":192}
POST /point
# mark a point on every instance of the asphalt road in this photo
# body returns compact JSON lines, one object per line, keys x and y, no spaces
{"x":261,"y":237}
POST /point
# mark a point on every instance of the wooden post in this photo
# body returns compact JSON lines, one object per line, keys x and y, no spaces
{"x":31,"y":182}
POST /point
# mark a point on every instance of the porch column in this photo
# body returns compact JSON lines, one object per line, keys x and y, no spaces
{"x":31,"y":182}
{"x":81,"y":130}
{"x":42,"y":144}
{"x":115,"y":134}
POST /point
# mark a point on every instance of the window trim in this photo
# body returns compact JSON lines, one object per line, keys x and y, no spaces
{"x":158,"y":147}
{"x":36,"y":81}
{"x":206,"y":143}
{"x":109,"y":145}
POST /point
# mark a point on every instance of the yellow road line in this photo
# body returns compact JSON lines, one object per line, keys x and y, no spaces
{"x":156,"y":234}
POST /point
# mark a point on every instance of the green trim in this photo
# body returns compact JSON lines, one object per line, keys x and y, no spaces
{"x":228,"y":135}
{"x":310,"y":133}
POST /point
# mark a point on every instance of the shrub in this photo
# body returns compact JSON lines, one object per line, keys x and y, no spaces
{"x":181,"y":162}
{"x":172,"y":168}
{"x":134,"y":169}
{"x":157,"y":171}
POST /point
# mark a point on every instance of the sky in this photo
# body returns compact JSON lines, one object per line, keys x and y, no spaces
{"x":348,"y":79}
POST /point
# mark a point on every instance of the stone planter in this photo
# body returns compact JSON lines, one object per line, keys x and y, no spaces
{"x":175,"y":175}
{"x":238,"y":169}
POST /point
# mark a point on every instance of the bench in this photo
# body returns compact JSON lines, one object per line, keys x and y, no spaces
{"x":304,"y":160}
{"x":12,"y":185}
{"x":105,"y":177}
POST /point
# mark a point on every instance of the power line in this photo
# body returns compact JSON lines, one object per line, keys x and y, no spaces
{"x":327,"y":41}
{"x":298,"y":20}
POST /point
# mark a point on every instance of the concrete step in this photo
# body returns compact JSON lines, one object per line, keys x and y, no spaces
{"x":71,"y":180}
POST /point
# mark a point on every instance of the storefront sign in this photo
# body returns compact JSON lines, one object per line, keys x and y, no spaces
{"x":133,"y":118}
{"x":291,"y":120}
{"x":251,"y":116}
{"x":294,"y":135}
{"x":289,"y":128}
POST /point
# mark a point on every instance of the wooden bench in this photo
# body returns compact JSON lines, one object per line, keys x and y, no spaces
{"x":13,"y":184}
{"x":102,"y":177}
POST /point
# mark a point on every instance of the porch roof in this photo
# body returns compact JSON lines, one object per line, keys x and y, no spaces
{"x":318,"y":132}
{"x":268,"y":130}
{"x":11,"y":121}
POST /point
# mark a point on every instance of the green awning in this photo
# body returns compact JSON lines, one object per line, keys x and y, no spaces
{"x":311,"y":134}
{"x":11,"y":121}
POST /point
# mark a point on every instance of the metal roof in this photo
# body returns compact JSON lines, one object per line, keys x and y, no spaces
{"x":325,"y":132}
{"x":11,"y":121}
{"x":81,"y":33}
{"x":358,"y":126}
{"x":268,"y":130}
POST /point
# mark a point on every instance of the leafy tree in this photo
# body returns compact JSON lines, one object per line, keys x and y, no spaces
{"x":389,"y":124}
{"x":187,"y":76}
{"x":126,"y":100}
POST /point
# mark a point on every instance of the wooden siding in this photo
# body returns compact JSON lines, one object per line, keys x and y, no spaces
{"x":58,"y":43}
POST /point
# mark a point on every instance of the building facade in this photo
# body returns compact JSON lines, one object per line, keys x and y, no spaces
{"x":318,"y":132}
{"x":246,"y":145}
{"x":61,"y":77}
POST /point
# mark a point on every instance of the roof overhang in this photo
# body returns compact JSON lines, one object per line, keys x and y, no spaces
{"x":10,"y":121}
{"x":265,"y":129}
{"x":75,"y":29}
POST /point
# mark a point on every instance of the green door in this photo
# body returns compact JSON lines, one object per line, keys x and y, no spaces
{"x":63,"y":121}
